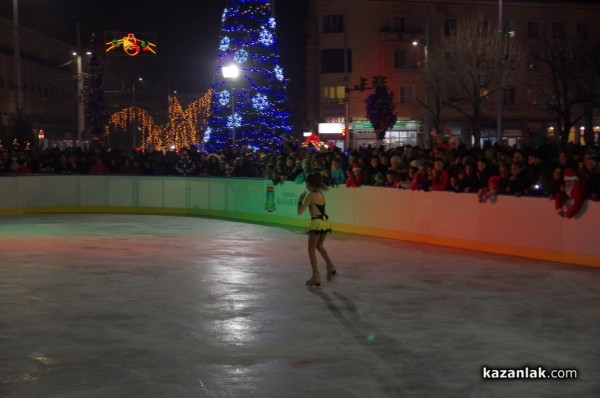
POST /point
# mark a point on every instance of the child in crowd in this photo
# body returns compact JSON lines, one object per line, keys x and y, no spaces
{"x":391,"y":179}
{"x":379,"y":180}
{"x":355,"y":177}
{"x":420,"y":180}
{"x":491,"y":191}
{"x":569,"y":200}
{"x":336,"y":172}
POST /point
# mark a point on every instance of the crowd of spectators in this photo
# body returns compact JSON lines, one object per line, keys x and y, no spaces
{"x":447,"y":166}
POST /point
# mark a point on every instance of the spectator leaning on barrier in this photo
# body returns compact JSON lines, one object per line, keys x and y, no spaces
{"x":98,"y":167}
{"x":492,"y":190}
{"x":355,"y":177}
{"x":518,"y":183}
{"x":554,"y":183}
{"x":484,"y":172}
{"x":184,"y":165}
{"x":289,"y":173}
{"x":570,"y":199}
{"x":591,"y":175}
{"x":306,"y":170}
{"x":338,"y":177}
{"x":379,"y":180}
{"x":372,"y":170}
{"x":440,"y":176}
{"x":213,"y":167}
{"x":420,"y":180}
{"x":391,"y":179}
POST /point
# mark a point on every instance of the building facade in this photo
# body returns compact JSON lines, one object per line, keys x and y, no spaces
{"x":352,"y":40}
{"x":48,"y":89}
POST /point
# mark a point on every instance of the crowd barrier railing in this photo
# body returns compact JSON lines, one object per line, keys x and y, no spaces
{"x":519,"y":226}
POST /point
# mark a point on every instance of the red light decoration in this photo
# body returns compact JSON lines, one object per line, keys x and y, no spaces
{"x":131,"y":45}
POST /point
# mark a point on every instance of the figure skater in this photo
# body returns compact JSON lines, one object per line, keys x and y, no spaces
{"x":318,"y":228}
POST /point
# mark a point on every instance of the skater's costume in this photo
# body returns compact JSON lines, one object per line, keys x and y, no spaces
{"x":319,"y":224}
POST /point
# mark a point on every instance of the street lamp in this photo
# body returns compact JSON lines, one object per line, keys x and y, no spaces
{"x":500,"y":93}
{"x":133,"y":124}
{"x":427,"y":128}
{"x":232,"y":72}
{"x":139,"y":79}
{"x":80,"y":99}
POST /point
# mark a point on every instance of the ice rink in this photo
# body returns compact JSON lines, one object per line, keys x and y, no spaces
{"x":98,"y":306}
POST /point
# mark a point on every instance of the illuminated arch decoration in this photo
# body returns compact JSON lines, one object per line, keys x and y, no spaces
{"x":131,"y":45}
{"x":183,"y":128}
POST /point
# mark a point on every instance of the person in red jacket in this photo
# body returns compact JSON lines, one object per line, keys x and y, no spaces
{"x":441,"y":177}
{"x":98,"y":167}
{"x":572,"y":194}
{"x":355,"y":177}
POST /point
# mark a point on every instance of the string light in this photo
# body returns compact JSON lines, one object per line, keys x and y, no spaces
{"x":260,"y":113}
{"x":182,"y":128}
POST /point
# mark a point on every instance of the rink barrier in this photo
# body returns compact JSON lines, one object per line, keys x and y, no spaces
{"x":525,"y":226}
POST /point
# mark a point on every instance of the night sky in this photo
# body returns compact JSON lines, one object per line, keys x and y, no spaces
{"x":186,"y":33}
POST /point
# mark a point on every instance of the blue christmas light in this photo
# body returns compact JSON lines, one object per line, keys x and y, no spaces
{"x":260,"y":102}
{"x":266,"y":38}
{"x":224,"y":98}
{"x":234,"y":120}
{"x":278,"y":73}
{"x":241,"y":56}
{"x":224,"y":43}
{"x":261,"y":115}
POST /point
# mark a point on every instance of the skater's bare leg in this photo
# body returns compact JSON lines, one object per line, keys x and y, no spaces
{"x":331,"y":272}
{"x":313,"y":241}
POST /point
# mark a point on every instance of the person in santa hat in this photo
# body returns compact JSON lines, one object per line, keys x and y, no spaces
{"x":572,"y":194}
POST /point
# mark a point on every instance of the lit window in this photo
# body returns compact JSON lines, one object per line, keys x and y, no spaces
{"x":334,"y":93}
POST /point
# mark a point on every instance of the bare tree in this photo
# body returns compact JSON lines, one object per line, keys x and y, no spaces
{"x":567,"y":81}
{"x":468,"y":67}
{"x":434,"y":76}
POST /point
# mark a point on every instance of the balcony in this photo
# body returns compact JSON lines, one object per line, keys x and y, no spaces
{"x":387,"y":35}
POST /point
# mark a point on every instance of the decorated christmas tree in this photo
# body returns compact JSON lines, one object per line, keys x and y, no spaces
{"x":250,"y":109}
{"x":380,"y":108}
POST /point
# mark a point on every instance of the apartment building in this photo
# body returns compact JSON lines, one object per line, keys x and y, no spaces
{"x":48,"y":87}
{"x":350,"y":40}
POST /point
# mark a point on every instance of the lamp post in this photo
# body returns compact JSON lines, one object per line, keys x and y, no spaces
{"x":133,"y":125}
{"x":19,"y":101}
{"x":426,"y":127}
{"x":139,"y":79}
{"x":232,"y":72}
{"x":500,"y":95}
{"x":80,"y":104}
